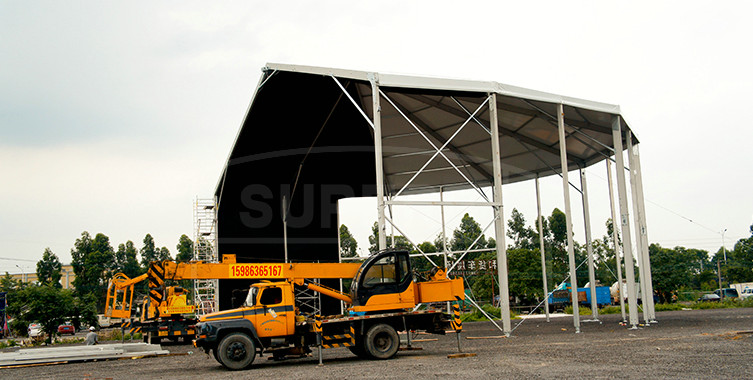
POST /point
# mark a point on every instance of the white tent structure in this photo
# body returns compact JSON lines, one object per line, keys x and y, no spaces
{"x":432,"y":135}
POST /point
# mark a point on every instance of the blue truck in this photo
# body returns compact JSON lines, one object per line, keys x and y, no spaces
{"x":560,"y":297}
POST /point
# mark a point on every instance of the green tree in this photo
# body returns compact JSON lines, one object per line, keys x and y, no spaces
{"x":185,"y":249}
{"x":739,"y":265}
{"x":164,"y":254}
{"x":9,"y":284}
{"x":47,"y":305}
{"x":348,"y":244}
{"x":93,"y":261}
{"x":81,"y":249}
{"x":521,"y":235}
{"x":484,"y":287}
{"x":400,"y":242}
{"x":49,"y":269}
{"x":558,"y":227}
{"x":83,"y":311}
{"x":465,"y":235}
{"x":671,"y":269}
{"x":419,"y":263}
{"x":524,"y":273}
{"x":148,"y":251}
{"x":556,"y":247}
{"x":126,"y":261}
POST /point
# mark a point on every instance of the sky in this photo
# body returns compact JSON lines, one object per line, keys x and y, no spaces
{"x":115,"y":116}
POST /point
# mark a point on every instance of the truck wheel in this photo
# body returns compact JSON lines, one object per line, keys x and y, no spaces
{"x":381,"y":342}
{"x":236,"y":351}
{"x":358,"y":349}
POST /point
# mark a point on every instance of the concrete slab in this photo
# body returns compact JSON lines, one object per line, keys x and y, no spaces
{"x":30,"y":356}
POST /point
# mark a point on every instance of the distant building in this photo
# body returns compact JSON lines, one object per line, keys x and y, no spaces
{"x":66,"y":278}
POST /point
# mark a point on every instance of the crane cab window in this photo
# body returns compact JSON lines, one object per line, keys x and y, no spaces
{"x":271,"y":296}
{"x":386,"y":271}
{"x":382,"y":272}
{"x":251,"y":297}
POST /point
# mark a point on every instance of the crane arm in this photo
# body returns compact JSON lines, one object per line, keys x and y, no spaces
{"x":327,"y":291}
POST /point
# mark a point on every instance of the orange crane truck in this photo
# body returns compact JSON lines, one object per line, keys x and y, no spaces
{"x":381,"y":302}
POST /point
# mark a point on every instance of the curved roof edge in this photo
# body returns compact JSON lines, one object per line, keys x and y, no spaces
{"x":433,"y":83}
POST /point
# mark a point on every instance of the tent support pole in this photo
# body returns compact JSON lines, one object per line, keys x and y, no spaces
{"x":641,"y":233}
{"x":499,"y":221}
{"x":625,"y":222}
{"x":637,"y":222}
{"x":377,"y":110}
{"x":568,"y":217}
{"x":616,"y":241}
{"x":589,"y":248}
{"x":542,"y":249}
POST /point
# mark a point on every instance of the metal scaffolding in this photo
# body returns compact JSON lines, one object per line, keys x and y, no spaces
{"x":205,"y":249}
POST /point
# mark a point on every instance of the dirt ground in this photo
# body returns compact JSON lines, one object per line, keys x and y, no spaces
{"x":684,"y":344}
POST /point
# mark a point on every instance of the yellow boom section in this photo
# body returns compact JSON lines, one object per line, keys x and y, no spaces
{"x":260,"y":271}
{"x":120,"y":295}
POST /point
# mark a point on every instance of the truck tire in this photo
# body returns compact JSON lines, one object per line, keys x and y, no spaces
{"x":358,"y":350}
{"x":381,"y":342}
{"x":236,"y":351}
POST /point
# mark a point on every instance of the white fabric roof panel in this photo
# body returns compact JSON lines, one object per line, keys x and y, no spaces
{"x":437,"y":107}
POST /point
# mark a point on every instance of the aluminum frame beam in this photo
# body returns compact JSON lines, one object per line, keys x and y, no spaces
{"x":625,"y":222}
{"x":639,"y":251}
{"x":589,"y":248}
{"x":644,"y":234}
{"x":542,"y":249}
{"x":378,"y":158}
{"x":616,"y":240}
{"x":568,"y":217}
{"x":499,"y":223}
{"x":640,"y":234}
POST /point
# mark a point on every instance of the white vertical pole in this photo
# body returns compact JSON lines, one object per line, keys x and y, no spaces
{"x":444,"y":239}
{"x":589,"y":248}
{"x":541,"y":249}
{"x":377,"y":110}
{"x":568,"y":216}
{"x":616,"y":241}
{"x":644,"y":234}
{"x":340,"y":257}
{"x":444,"y":236}
{"x":637,"y":221}
{"x":625,"y":221}
{"x":392,"y":228}
{"x":499,"y":222}
{"x":285,"y":229}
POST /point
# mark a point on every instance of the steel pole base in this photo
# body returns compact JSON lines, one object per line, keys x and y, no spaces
{"x":591,"y":320}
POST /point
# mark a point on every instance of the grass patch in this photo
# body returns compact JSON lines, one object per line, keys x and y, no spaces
{"x":117,"y":335}
{"x":668,"y":306}
{"x":726,"y":304}
{"x":610,"y":310}
{"x":478,"y":316}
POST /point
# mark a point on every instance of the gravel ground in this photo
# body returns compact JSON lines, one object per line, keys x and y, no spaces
{"x":684,"y":344}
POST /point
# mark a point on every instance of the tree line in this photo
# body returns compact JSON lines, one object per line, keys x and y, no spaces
{"x":674,"y":270}
{"x":94,"y":263}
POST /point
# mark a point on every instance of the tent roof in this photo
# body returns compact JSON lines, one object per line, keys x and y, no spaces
{"x":438,"y":108}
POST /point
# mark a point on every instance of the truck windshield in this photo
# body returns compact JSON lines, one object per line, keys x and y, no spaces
{"x":251,"y":297}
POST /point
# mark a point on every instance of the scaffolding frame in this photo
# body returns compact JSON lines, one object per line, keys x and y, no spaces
{"x":205,"y":292}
